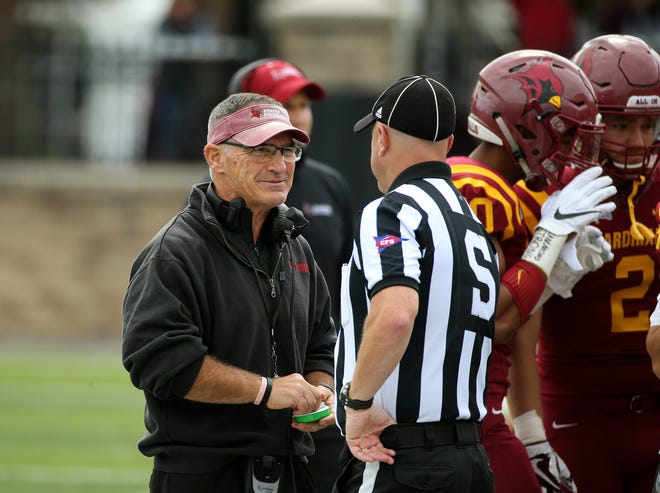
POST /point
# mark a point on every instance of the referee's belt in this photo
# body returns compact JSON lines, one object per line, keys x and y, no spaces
{"x":409,"y":435}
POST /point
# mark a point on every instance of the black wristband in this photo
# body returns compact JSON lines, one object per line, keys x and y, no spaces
{"x":327,"y":387}
{"x":269,"y":389}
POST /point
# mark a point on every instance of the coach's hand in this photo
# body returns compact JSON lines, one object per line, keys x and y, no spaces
{"x":328,"y":398}
{"x":293,"y":391}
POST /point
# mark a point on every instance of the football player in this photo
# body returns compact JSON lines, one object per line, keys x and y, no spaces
{"x":535,"y":114}
{"x":653,"y":337}
{"x":600,"y":398}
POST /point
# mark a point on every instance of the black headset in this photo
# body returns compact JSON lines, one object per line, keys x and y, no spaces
{"x":284,"y":225}
{"x":234,"y":85}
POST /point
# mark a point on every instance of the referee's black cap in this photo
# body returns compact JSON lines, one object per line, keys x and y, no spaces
{"x":416,"y":105}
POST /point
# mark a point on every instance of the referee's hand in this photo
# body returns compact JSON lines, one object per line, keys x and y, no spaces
{"x":363,"y":430}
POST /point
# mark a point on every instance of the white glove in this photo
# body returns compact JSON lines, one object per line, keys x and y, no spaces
{"x":654,"y":319}
{"x":578,"y":203}
{"x":551,"y":471}
{"x":585,"y":252}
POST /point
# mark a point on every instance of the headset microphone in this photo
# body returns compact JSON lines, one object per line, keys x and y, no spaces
{"x":288,"y":223}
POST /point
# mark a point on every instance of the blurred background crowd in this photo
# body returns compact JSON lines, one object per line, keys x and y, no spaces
{"x":122,"y":82}
{"x":125,"y":86}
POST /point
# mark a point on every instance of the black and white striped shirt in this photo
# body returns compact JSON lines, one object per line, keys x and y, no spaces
{"x":423,"y":234}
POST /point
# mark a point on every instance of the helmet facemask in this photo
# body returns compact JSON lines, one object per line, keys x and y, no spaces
{"x":574,"y":145}
{"x":625,"y":74}
{"x":578,"y":146}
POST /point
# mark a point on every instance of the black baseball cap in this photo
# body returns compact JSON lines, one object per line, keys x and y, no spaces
{"x":416,"y":105}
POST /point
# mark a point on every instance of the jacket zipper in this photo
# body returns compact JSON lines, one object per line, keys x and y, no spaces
{"x":273,"y":293}
{"x":271,"y":278}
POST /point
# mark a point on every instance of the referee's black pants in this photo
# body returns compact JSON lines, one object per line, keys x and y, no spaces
{"x":432,"y":457}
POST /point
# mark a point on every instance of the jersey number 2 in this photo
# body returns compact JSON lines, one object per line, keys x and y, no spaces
{"x":627,"y":266}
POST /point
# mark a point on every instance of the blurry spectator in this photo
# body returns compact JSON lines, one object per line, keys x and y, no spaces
{"x":638,"y":17}
{"x":177,"y":120}
{"x":186,"y":17}
{"x":548,"y":25}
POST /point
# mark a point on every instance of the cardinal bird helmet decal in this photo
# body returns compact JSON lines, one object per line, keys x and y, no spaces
{"x":541,"y":84}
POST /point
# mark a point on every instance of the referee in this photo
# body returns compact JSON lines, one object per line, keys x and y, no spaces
{"x":418,"y":302}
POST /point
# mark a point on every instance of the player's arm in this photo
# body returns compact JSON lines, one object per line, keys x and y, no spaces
{"x":653,"y":339}
{"x":524,"y":392}
{"x":507,"y":318}
{"x":653,"y":335}
{"x":524,"y":401}
{"x":564,"y":212}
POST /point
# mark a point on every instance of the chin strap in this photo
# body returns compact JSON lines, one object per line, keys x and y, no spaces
{"x":515,"y":150}
{"x":638,"y":230}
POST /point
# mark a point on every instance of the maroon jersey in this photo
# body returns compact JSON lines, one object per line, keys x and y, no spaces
{"x":592,"y":344}
{"x":495,"y":203}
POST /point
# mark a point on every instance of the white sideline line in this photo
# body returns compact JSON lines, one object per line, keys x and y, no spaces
{"x":75,"y":474}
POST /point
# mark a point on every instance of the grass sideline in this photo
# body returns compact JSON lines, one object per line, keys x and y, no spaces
{"x":69,"y":422}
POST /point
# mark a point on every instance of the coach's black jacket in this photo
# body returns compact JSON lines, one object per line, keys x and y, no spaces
{"x":200,"y":286}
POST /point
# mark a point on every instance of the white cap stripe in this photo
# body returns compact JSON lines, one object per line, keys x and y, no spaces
{"x":437,"y":110}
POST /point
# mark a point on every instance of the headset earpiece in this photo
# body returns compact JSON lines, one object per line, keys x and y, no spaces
{"x":231,"y":212}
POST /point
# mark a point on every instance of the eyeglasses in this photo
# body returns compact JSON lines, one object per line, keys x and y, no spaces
{"x":290,"y":154}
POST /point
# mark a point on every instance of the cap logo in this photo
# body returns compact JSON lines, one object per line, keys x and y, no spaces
{"x":284,"y":73}
{"x":540,"y":84}
{"x":271,"y":112}
{"x":255,"y":124}
{"x":379,"y":113}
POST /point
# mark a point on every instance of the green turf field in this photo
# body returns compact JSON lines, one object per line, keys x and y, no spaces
{"x":69,"y":422}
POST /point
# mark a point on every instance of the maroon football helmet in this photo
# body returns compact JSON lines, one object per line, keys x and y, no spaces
{"x":542,"y":109}
{"x":625,"y":74}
